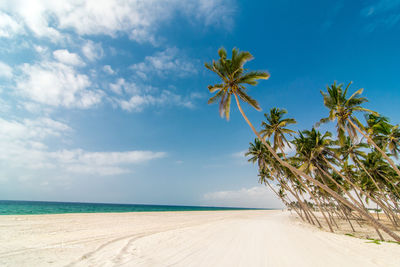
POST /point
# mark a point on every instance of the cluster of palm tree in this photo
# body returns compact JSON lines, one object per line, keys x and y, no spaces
{"x":335,"y":177}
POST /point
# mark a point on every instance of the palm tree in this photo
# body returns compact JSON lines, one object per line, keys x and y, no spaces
{"x":342,"y":108}
{"x":234,"y":78}
{"x":275,"y":126}
{"x":392,"y":141}
{"x":257,"y":151}
{"x":384,"y":134}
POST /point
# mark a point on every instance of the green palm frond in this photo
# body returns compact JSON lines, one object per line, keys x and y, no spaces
{"x":215,"y":97}
{"x":246,"y":98}
{"x":233,"y":77}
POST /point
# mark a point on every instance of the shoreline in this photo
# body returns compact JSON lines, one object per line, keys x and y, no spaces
{"x":207,"y":238}
{"x":22,"y":207}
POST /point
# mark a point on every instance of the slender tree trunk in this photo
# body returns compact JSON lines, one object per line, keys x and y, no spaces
{"x":355,"y":201}
{"x":283,"y":200}
{"x":347,"y":218}
{"x":316,"y":201}
{"x":376,"y":200}
{"x":309,"y":178}
{"x":369,"y":139}
{"x":311,"y":194}
{"x":370,"y":176}
{"x":302,"y":205}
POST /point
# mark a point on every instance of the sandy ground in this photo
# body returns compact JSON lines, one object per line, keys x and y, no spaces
{"x":199,"y":238}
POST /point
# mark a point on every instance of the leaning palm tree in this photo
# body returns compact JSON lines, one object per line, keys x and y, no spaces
{"x":275,"y":125}
{"x":234,"y":78}
{"x":393,"y":141}
{"x":342,"y":108}
{"x":383,"y":133}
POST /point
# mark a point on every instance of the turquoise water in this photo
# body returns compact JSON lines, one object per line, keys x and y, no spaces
{"x":11,"y":207}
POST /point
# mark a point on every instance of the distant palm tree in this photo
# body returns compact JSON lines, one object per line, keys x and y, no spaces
{"x":275,"y":126}
{"x":342,"y":108}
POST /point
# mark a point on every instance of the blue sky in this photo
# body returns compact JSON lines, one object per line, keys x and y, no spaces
{"x":105,"y":101}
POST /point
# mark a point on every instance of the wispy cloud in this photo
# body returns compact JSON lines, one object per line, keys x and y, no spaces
{"x":92,"y":50}
{"x":9,"y":26}
{"x":255,"y":197}
{"x":382,"y":13}
{"x":108,"y":69}
{"x":169,"y":61}
{"x":5,"y":70}
{"x":138,"y":102}
{"x":25,"y":143}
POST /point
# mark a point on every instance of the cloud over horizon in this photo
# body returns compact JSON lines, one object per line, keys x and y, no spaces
{"x":254,"y":197}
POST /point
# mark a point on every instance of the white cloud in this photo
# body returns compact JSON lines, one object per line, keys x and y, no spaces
{"x":136,"y":18}
{"x":40,"y":49}
{"x":290,"y":151}
{"x":101,"y":163}
{"x":92,"y":51}
{"x":31,"y":129}
{"x":25,"y":140}
{"x":134,"y":98}
{"x":108,"y":69}
{"x":164,"y":63}
{"x":121,"y":86}
{"x":255,"y":197}
{"x":5,"y":70}
{"x":137,"y":103}
{"x":8,"y":26}
{"x":35,"y":15}
{"x":240,"y":154}
{"x":56,"y":84}
{"x":79,"y":156}
{"x":218,"y":13}
{"x":64,"y":56}
{"x":4,"y":106}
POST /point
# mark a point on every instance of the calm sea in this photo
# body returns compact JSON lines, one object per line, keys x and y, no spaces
{"x":11,"y":207}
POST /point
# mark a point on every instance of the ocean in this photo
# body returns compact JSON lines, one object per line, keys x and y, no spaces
{"x":14,"y":207}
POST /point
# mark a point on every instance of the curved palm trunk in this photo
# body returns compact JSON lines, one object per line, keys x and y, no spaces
{"x":351,"y":197}
{"x":387,"y":210}
{"x":283,"y":200}
{"x":293,"y":192}
{"x":376,"y":146}
{"x":387,"y":202}
{"x":316,"y":201}
{"x":311,"y":194}
{"x":373,"y":180}
{"x":309,"y":178}
{"x":347,"y":218}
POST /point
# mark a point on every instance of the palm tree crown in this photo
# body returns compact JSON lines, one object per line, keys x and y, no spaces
{"x":275,"y":125}
{"x":234,"y":78}
{"x":342,"y":108}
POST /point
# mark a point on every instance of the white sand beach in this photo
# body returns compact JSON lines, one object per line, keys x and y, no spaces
{"x":196,"y":238}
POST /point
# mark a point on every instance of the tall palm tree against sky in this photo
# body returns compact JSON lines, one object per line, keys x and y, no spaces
{"x":275,"y":125}
{"x":342,"y":110}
